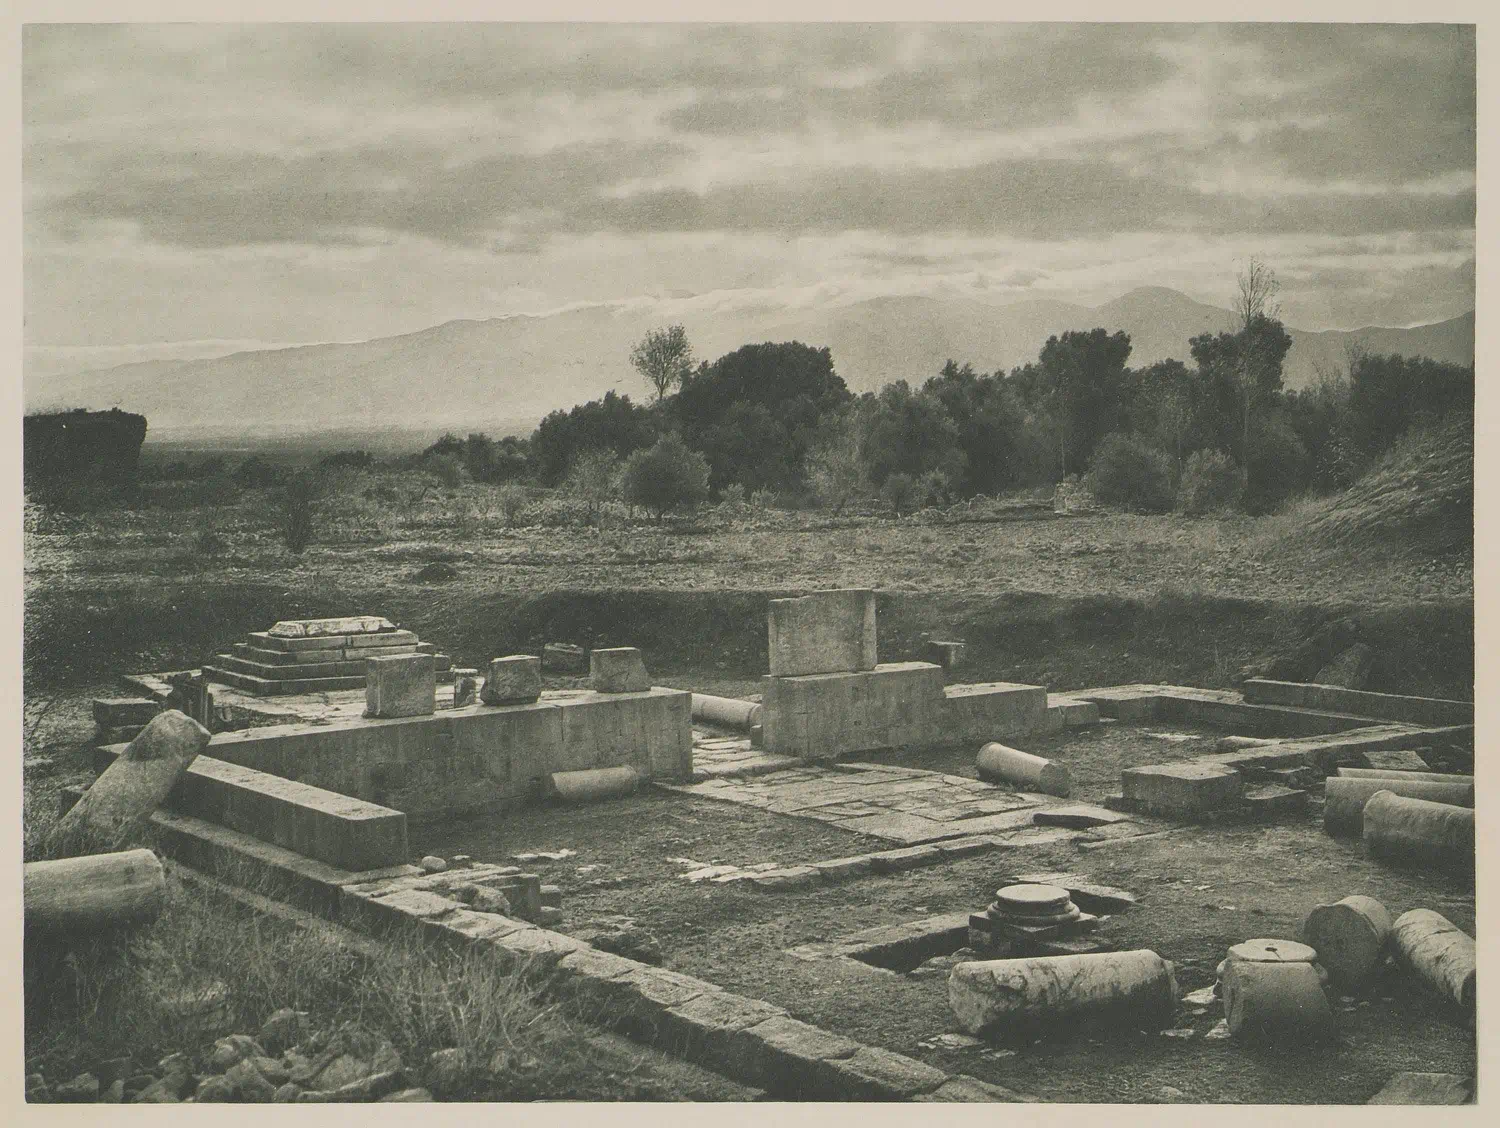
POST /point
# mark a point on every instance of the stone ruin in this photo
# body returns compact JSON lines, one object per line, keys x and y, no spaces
{"x":317,"y":655}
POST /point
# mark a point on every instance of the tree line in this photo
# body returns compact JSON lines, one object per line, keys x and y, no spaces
{"x":1220,"y":432}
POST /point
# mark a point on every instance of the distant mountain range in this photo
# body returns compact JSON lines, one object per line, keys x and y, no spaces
{"x":498,"y":373}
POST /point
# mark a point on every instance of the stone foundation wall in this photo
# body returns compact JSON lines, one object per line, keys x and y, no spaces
{"x":479,"y":757}
{"x":822,"y":716}
{"x":991,"y":710}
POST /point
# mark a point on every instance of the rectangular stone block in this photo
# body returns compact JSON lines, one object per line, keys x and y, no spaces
{"x":403,"y":685}
{"x":118,"y":712}
{"x":1190,"y":788}
{"x":824,"y":716}
{"x":991,"y":710}
{"x":514,"y":680}
{"x":565,"y":658}
{"x":618,"y":669}
{"x":827,"y":632}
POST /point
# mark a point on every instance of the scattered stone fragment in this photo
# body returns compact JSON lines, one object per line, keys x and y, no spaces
{"x":550,"y":856}
{"x":115,"y":1094}
{"x":288,"y":1093}
{"x":234,"y":1048}
{"x":407,"y":1096}
{"x":1077,"y":815}
{"x":1179,"y":1032}
{"x":283,"y":1029}
{"x":433,"y":864}
{"x":953,"y":1042}
{"x":1426,"y":1089}
{"x":1219,"y":1033}
{"x":549,"y":916}
{"x":1203,"y":997}
{"x":488,"y":900}
{"x":250,"y":1085}
{"x":216,"y":1089}
{"x":1170,"y":1094}
{"x":83,"y":1089}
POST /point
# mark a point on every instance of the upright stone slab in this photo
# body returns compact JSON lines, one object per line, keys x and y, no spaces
{"x":513,"y":680}
{"x":618,"y":669}
{"x":828,"y":632}
{"x":466,"y":685}
{"x":401,"y":685}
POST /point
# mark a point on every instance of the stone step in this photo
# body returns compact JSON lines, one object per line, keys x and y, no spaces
{"x":317,"y":657}
{"x":299,"y":671}
{"x":265,"y":687}
{"x":331,"y":642}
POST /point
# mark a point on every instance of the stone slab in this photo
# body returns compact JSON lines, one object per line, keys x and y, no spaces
{"x":1077,"y":815}
{"x":827,"y":632}
{"x":1188,"y":788}
{"x":402,"y":685}
{"x":344,"y":625}
{"x":264,"y":687}
{"x":618,"y":669}
{"x":1397,"y":760}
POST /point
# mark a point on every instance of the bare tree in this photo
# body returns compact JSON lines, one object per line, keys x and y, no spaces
{"x":1254,"y":300}
{"x":663,"y":357}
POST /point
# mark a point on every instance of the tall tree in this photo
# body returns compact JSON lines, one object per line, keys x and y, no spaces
{"x":663,"y":357}
{"x":1258,"y":361}
{"x":1083,"y":374}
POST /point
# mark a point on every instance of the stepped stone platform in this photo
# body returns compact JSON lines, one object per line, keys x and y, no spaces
{"x":316,"y":656}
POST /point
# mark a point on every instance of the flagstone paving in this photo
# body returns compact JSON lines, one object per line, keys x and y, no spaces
{"x":905,"y":805}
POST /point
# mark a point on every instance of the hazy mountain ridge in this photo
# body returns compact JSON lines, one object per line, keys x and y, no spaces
{"x":470,"y":375}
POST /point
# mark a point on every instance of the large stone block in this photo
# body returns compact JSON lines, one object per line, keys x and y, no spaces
{"x":828,"y":632}
{"x":1189,"y":788}
{"x":402,"y":685}
{"x":514,"y":680}
{"x":618,"y":669}
{"x":823,"y":716}
{"x":1383,"y":706}
{"x":347,"y":625}
{"x":990,"y":710}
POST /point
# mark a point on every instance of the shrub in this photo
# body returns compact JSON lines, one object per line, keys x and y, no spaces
{"x":1131,"y":473}
{"x":348,"y":460}
{"x":1278,"y":467}
{"x":512,"y":500}
{"x":665,"y":477}
{"x":298,"y":501}
{"x":255,"y":473}
{"x":448,"y":468}
{"x":900,"y":493}
{"x":595,"y":480}
{"x":1210,"y":482}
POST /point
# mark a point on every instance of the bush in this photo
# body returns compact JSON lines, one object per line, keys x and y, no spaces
{"x":595,"y":480}
{"x":1278,"y":467}
{"x":1210,"y":483}
{"x":512,"y":500}
{"x":448,"y":468}
{"x":900,"y":493}
{"x":1131,"y":473}
{"x":665,"y":477}
{"x":298,"y":501}
{"x":255,"y":473}
{"x":348,"y":460}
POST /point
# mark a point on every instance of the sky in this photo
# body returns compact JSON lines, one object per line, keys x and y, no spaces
{"x":191,"y":184}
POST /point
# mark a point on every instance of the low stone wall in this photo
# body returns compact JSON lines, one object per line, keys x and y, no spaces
{"x":337,"y":829}
{"x":1382,"y":706}
{"x":476,"y":758}
{"x":823,"y":716}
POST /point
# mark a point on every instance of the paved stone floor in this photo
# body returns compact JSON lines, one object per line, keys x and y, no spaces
{"x":906,"y":805}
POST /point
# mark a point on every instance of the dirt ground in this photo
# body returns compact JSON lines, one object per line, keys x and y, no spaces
{"x":1201,"y":889}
